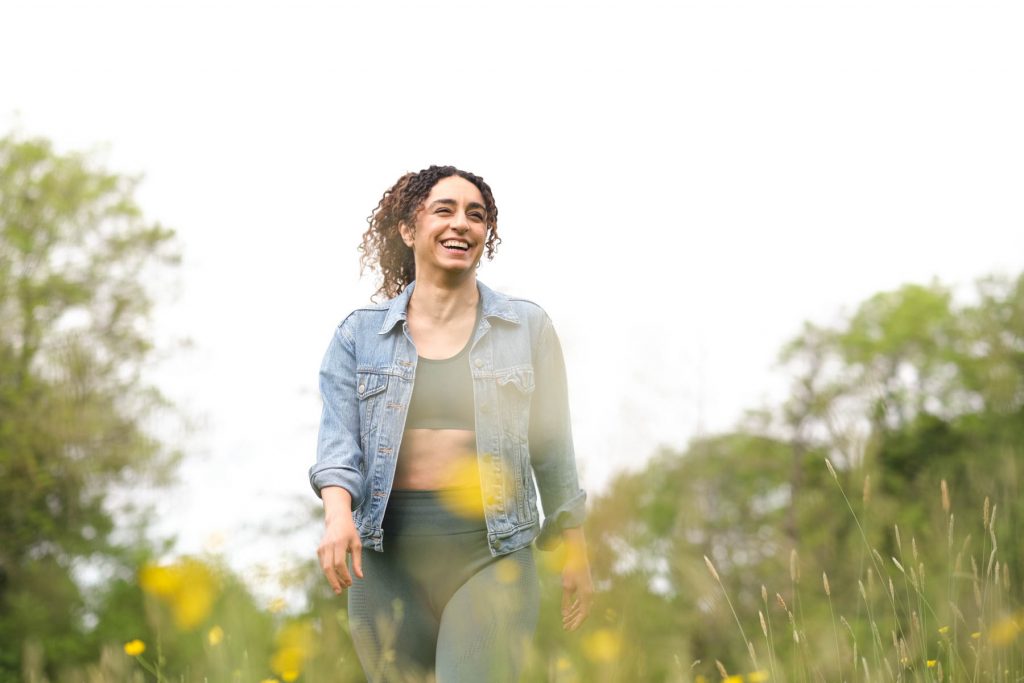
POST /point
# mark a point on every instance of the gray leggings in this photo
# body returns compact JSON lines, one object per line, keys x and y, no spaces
{"x":436,"y":603}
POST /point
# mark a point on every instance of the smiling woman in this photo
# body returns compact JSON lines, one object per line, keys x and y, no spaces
{"x":441,"y":408}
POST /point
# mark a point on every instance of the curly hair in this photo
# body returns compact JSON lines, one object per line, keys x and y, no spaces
{"x":382,"y":248}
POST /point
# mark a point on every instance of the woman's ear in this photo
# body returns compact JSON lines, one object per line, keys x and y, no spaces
{"x":407,"y":233}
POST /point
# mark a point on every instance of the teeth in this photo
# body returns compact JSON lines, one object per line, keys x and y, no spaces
{"x":455,"y":243}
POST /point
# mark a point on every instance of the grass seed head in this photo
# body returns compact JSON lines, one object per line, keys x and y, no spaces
{"x":945,"y":496}
{"x":721,"y":669}
{"x":824,"y":580}
{"x":711,"y":568}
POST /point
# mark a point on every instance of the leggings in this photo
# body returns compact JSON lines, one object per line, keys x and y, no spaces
{"x":436,"y":605}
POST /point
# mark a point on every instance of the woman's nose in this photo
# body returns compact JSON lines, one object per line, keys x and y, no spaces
{"x":459,"y":222}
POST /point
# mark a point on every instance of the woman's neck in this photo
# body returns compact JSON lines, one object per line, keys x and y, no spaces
{"x":442,"y":302}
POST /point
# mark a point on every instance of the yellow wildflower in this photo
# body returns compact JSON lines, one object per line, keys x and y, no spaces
{"x":943,"y":630}
{"x":507,"y":571}
{"x":134,"y":648}
{"x":188,"y":587}
{"x":1004,"y":631}
{"x":976,"y":635}
{"x":603,"y":645}
{"x":462,"y":495}
{"x":270,"y":680}
{"x":757,"y":676}
{"x":292,"y":649}
{"x":215,"y":636}
{"x":733,"y":679}
{"x":931,"y":663}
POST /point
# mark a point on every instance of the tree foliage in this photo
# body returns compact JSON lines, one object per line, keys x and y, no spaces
{"x":76,"y":255}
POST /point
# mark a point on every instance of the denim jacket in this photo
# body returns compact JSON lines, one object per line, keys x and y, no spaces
{"x":520,"y":405}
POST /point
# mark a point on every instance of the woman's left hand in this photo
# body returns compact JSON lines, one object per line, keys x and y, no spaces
{"x":577,"y":585}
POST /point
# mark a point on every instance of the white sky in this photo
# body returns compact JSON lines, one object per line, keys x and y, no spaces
{"x":680,"y":185}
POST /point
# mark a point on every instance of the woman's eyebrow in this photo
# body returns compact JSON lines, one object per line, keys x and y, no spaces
{"x":452,"y":202}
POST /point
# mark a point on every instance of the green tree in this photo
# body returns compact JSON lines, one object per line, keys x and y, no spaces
{"x":76,"y":258}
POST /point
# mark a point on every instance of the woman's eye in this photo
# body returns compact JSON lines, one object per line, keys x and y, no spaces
{"x":478,"y":216}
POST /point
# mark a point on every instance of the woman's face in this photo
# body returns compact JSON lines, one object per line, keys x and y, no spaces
{"x":451,"y":228}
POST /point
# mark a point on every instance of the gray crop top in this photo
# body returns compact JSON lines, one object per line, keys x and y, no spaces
{"x":442,"y":393}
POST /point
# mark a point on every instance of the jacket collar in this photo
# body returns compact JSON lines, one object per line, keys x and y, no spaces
{"x":493,"y":304}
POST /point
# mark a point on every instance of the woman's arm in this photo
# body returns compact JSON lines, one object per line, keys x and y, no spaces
{"x":553,"y":459}
{"x":340,"y":537}
{"x":336,"y":477}
{"x":577,"y":584}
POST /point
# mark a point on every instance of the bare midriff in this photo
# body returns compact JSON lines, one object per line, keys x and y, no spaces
{"x":433,"y":459}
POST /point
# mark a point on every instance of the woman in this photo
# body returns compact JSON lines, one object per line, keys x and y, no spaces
{"x":441,"y":406}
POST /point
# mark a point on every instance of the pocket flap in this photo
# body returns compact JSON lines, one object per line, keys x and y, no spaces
{"x":370,"y":383}
{"x":521,"y":377}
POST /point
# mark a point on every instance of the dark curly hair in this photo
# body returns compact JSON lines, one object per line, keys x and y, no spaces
{"x":382,"y":248}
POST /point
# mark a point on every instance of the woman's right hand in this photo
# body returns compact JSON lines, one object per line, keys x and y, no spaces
{"x":340,"y":538}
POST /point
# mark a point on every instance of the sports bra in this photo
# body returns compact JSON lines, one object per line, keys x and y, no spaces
{"x":442,"y":393}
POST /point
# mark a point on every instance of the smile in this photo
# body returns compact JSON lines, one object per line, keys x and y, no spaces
{"x":455,"y":245}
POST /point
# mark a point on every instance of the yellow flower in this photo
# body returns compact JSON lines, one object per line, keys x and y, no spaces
{"x":292,"y":649}
{"x":931,"y":663}
{"x":603,"y":645}
{"x":462,"y":494}
{"x":507,"y":571}
{"x":943,"y":630}
{"x":188,"y":587}
{"x":757,"y":676}
{"x":270,"y":680}
{"x":1004,"y":631}
{"x":976,"y":635}
{"x":134,"y":648}
{"x":215,"y":636}
{"x":700,"y":679}
{"x":733,"y":679}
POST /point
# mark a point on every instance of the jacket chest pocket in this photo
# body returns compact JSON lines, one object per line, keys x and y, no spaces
{"x":515,"y":387}
{"x":370,"y":388}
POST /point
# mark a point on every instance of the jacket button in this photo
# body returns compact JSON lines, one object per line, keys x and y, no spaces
{"x":362,"y":388}
{"x":478,"y":362}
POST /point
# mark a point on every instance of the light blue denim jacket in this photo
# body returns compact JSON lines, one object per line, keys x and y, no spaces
{"x":520,"y":404}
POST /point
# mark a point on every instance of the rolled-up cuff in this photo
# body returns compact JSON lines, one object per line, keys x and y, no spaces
{"x":348,"y":479}
{"x":568,"y":515}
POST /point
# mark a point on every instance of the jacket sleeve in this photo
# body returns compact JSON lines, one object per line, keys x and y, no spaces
{"x":339,"y":457}
{"x":551,"y":448}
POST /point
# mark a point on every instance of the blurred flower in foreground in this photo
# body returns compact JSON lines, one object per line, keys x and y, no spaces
{"x":943,"y":630}
{"x":292,"y":649}
{"x":134,"y":648}
{"x":215,"y":636}
{"x":1004,"y":631}
{"x":757,"y":676}
{"x":931,"y":663}
{"x":188,"y":587}
{"x":603,"y":645}
{"x":462,"y":495}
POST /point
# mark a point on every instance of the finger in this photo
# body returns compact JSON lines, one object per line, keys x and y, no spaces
{"x":566,"y":599}
{"x":341,"y":568}
{"x":357,"y":559}
{"x":331,"y":578}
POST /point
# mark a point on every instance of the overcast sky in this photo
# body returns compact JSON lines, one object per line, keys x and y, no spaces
{"x":680,"y":185}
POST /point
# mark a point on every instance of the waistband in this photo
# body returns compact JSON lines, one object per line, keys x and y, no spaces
{"x":413,"y":512}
